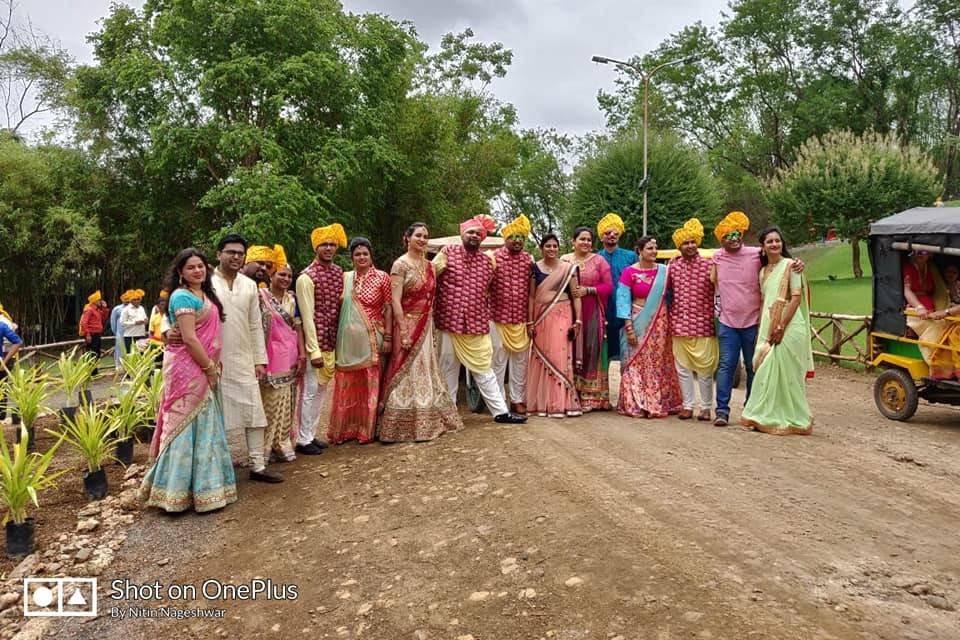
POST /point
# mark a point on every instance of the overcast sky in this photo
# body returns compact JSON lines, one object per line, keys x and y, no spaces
{"x":551,"y":81}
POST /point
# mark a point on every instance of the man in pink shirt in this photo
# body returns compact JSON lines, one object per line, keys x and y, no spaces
{"x":736,"y":273}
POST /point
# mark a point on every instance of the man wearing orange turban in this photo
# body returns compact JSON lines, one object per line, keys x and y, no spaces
{"x":96,"y":314}
{"x":319,"y":289}
{"x":462,"y":315}
{"x":259,"y":264}
{"x":736,"y":275}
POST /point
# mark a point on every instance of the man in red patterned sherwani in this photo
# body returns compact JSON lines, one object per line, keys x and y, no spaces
{"x":691,"y":320}
{"x":462,"y":315}
{"x":509,"y":307}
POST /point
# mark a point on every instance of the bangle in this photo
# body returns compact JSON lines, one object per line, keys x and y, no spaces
{"x":210,"y":366}
{"x":302,"y":358}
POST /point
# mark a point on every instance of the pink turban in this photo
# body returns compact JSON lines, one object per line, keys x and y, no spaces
{"x":484,"y":223}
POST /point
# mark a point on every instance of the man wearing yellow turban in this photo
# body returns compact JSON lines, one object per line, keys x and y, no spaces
{"x":119,"y":346}
{"x":610,"y":229}
{"x":259,"y":264}
{"x":509,"y":309}
{"x":462,"y":315}
{"x":133,"y":320}
{"x":735,"y":273}
{"x":95,"y":315}
{"x":695,"y":351}
{"x":319,"y":289}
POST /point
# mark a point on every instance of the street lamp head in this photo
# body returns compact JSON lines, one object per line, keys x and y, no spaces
{"x":600,"y":59}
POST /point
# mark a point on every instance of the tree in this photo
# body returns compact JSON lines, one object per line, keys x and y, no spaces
{"x":539,"y":185}
{"x":844,"y":181}
{"x":34,"y":70}
{"x":681,"y":187}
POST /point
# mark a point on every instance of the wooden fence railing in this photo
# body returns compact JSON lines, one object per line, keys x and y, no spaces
{"x":831,"y":332}
{"x":53,"y":349}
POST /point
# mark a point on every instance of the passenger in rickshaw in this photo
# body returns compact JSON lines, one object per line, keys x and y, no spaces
{"x":946,"y":359}
{"x":925,"y":293}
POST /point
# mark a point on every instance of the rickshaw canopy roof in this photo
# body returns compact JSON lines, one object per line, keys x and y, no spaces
{"x":919,"y":220}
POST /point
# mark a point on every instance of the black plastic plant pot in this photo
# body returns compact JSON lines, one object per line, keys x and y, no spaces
{"x":95,"y":483}
{"x":67,"y":413}
{"x":124,"y":451}
{"x":145,"y":432}
{"x":20,"y":538}
{"x":85,"y":397}
{"x":31,"y":439}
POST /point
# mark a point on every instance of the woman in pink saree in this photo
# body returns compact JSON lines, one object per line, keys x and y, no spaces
{"x":415,"y":402}
{"x":551,"y":390}
{"x":593,"y":288}
{"x":189,"y":453}
{"x":649,"y":386}
{"x":364,"y":311}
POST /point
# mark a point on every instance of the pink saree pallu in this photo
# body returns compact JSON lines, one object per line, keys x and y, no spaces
{"x":356,"y":384}
{"x":190,"y":458}
{"x":590,"y":354}
{"x":551,"y":390}
{"x":648,"y":375}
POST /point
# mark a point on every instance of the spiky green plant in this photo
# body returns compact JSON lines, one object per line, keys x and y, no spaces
{"x":150,"y":394}
{"x":24,"y":475}
{"x":29,"y":389}
{"x":92,"y":433}
{"x":128,"y":413}
{"x":76,"y":371}
{"x":137,"y":365}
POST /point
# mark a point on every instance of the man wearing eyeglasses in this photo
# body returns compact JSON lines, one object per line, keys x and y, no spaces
{"x":736,"y":274}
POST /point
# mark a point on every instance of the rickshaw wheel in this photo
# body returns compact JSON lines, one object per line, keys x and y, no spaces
{"x":895,"y":394}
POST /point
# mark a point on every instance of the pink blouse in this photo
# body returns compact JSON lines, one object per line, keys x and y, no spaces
{"x":640,"y":281}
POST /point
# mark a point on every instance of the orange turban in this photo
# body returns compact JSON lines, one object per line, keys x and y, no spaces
{"x":279,"y":257}
{"x":735,"y":221}
{"x":691,"y":230}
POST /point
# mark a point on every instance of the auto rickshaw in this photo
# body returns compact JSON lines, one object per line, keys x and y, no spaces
{"x":906,"y":377}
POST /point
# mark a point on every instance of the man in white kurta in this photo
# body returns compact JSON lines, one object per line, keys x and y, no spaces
{"x":244,"y":354}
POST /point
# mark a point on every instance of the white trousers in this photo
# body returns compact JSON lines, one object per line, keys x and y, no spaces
{"x":314,"y":394}
{"x":689,"y":391}
{"x":517,"y":362}
{"x":255,"y":443}
{"x":486,"y":380}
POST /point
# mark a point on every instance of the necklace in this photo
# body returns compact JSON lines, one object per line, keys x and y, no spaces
{"x":420,"y":264}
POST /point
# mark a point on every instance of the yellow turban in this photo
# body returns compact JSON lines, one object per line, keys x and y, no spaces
{"x":164,"y":294}
{"x":691,"y":230}
{"x":279,"y":257}
{"x":519,"y":226}
{"x":3,"y":312}
{"x":610,"y":221}
{"x":125,"y":296}
{"x":735,"y":221}
{"x":330,"y":233}
{"x":95,"y":297}
{"x":259,"y":253}
{"x":137,"y":294}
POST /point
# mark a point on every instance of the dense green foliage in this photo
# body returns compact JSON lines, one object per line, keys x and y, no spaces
{"x":681,"y":187}
{"x":844,"y":181}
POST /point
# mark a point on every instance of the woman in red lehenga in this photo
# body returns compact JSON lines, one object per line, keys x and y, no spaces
{"x":593,"y":286}
{"x":415,"y":402}
{"x":364,"y":312}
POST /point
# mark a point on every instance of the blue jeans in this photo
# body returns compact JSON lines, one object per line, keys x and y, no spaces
{"x":732,"y":343}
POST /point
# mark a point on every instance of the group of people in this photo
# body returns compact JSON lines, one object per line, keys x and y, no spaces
{"x":368,"y":355}
{"x":931,"y":298}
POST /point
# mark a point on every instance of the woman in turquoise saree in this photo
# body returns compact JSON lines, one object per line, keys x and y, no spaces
{"x":783,"y":358}
{"x":189,"y":453}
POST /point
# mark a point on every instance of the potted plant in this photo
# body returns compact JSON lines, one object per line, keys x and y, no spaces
{"x":93,"y":434}
{"x":23,"y":476}
{"x":150,"y":394}
{"x":127,"y":416}
{"x":29,"y":389}
{"x":137,"y":364}
{"x":76,"y":372}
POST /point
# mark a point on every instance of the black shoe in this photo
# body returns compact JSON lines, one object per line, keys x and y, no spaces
{"x":309,"y":449}
{"x":509,"y":418}
{"x":320,"y":444}
{"x":722,"y":419}
{"x":266,"y":476}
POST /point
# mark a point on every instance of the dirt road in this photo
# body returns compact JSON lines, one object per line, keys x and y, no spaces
{"x":601,"y":528}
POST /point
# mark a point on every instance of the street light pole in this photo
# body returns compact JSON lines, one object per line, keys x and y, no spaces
{"x":645,"y":77}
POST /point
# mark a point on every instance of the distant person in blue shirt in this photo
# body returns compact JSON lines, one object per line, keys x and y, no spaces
{"x":8,"y":334}
{"x":610,"y":228}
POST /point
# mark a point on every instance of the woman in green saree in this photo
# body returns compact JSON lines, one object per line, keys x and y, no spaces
{"x":783,"y":358}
